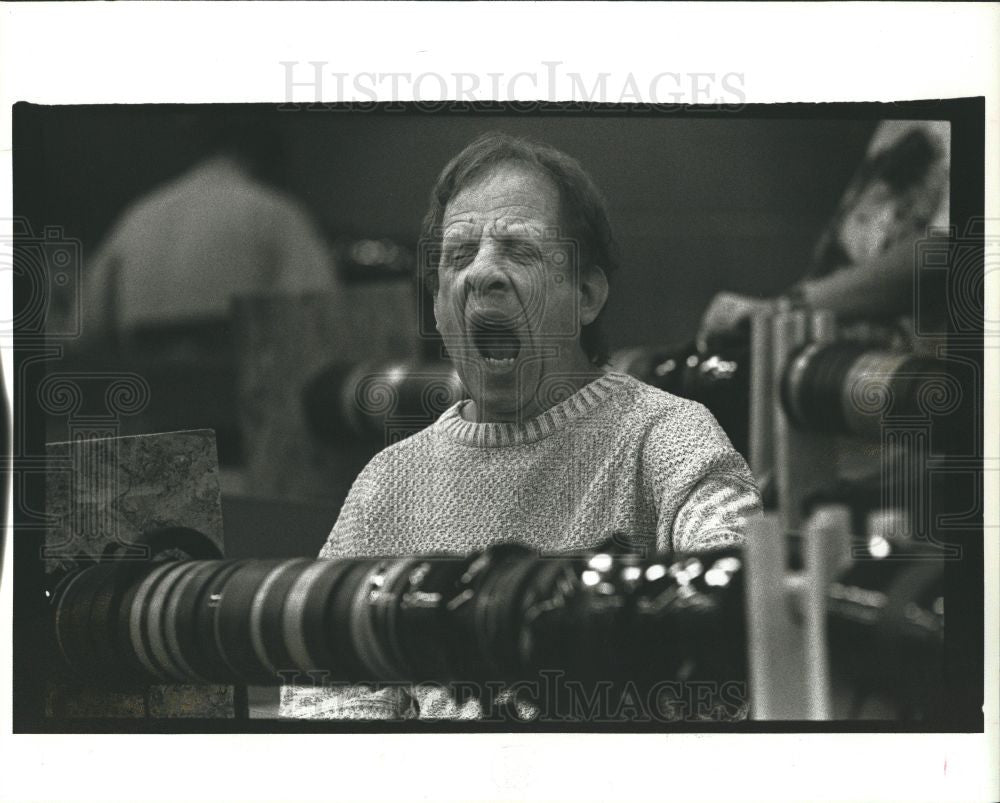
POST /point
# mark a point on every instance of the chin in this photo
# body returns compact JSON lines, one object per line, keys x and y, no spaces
{"x":499,"y":397}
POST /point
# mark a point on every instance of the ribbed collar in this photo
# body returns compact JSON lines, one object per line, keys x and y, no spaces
{"x":584,"y":401}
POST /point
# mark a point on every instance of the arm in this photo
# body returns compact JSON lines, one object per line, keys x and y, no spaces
{"x":879,"y":288}
{"x":715,"y":512}
{"x":701,"y":487}
{"x":347,"y":538}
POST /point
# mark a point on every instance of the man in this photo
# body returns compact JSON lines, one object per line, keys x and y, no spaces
{"x":550,"y":450}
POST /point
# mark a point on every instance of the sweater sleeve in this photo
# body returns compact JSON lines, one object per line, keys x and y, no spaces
{"x":316,"y":700}
{"x":347,"y":538}
{"x":715,"y":513}
{"x":701,"y":487}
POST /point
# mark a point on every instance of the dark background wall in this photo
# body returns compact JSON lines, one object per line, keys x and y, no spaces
{"x":699,"y":204}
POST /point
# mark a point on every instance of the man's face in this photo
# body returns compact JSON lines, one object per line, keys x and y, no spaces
{"x":508,"y":302}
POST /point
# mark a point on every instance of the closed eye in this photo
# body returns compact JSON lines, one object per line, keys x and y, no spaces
{"x":458,"y":256}
{"x":521,"y":251}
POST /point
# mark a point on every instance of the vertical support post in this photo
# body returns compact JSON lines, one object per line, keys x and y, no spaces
{"x":804,"y":462}
{"x":778,"y":688}
{"x":826,"y":547}
{"x":761,"y":413}
{"x":786,"y":615}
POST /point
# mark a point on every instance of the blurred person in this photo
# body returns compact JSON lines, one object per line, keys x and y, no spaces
{"x":176,"y":256}
{"x":864,"y":264}
{"x":551,"y":449}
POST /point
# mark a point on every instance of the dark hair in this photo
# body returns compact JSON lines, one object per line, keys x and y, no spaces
{"x":583,"y":210}
{"x":906,"y":162}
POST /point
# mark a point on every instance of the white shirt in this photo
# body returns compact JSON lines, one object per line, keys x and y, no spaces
{"x":181,"y":252}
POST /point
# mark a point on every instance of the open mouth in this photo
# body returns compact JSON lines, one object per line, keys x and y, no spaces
{"x":498,"y":345}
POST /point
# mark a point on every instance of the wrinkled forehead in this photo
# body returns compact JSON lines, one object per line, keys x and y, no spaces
{"x":510,"y":198}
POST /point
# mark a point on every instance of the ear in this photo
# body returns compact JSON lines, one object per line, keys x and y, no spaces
{"x":437,"y":316}
{"x":593,"y":293}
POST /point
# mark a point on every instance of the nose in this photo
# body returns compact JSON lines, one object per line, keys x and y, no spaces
{"x":485,"y":275}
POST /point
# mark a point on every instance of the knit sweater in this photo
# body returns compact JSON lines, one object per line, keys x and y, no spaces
{"x":617,"y":457}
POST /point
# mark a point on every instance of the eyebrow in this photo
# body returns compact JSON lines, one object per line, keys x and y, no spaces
{"x":457,"y":228}
{"x":525,"y":236}
{"x":452,"y":238}
{"x":515,"y":228}
{"x":518,"y":227}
